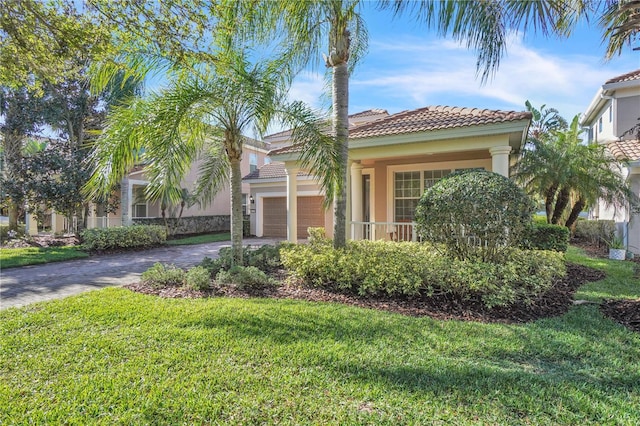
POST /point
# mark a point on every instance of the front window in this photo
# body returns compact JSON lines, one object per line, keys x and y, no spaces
{"x":139,"y":202}
{"x":409,"y":187}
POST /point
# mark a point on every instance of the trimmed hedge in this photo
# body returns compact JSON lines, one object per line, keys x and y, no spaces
{"x":544,"y":236}
{"x":595,"y":231}
{"x":475,"y":214}
{"x":411,"y":269}
{"x":123,"y":237}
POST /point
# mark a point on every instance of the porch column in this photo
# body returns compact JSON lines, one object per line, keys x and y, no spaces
{"x":500,"y":159}
{"x":57,"y":223}
{"x":126,"y":196}
{"x":32,"y":224}
{"x":356,"y":200}
{"x":633,"y":242}
{"x":292,"y":201}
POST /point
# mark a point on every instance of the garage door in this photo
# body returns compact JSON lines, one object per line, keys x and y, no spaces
{"x":310,"y":214}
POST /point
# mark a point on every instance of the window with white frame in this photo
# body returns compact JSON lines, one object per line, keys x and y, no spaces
{"x":139,"y":202}
{"x":600,"y":125}
{"x":409,"y":187}
{"x":267,"y":160}
{"x":610,"y":114}
{"x":253,"y":162}
{"x":245,"y":198}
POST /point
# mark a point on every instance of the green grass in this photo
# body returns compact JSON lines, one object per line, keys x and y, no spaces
{"x":200,"y":239}
{"x":117,"y":357}
{"x":12,"y":257}
{"x":619,"y":282}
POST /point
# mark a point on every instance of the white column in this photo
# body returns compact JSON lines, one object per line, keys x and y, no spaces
{"x":57,"y":223}
{"x":500,"y":159}
{"x":32,"y":224}
{"x":356,"y":200}
{"x":634,"y":218}
{"x":292,"y":201}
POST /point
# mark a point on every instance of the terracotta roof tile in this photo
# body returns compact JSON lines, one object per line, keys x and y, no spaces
{"x":628,"y":149}
{"x":273,"y":170}
{"x":374,"y":111}
{"x":426,"y":119}
{"x":633,"y":75}
{"x":435,"y":118}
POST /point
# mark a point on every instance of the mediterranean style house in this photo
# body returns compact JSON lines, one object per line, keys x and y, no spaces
{"x":392,"y":159}
{"x":613,"y":119}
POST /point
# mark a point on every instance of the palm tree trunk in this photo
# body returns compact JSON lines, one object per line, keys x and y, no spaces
{"x":575,"y":212}
{"x":548,"y":201}
{"x":561,"y":204}
{"x":236,"y":210}
{"x":341,"y":129}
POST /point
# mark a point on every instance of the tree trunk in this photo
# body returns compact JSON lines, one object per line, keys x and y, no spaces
{"x":236,"y":210}
{"x":341,"y":129}
{"x":575,"y":212}
{"x":548,"y":201}
{"x":12,"y":156}
{"x":561,"y":203}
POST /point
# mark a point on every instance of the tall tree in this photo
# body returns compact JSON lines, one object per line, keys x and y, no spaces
{"x":22,"y":113}
{"x":204,"y":113}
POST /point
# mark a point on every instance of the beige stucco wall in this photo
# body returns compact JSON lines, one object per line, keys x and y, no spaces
{"x":220,"y":205}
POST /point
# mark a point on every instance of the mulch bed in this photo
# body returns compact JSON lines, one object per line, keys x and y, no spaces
{"x":553,"y":303}
{"x":625,"y":312}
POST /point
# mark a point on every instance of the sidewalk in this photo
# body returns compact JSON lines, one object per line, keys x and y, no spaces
{"x":30,"y":284}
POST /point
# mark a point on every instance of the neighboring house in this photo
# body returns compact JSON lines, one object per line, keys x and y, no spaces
{"x":133,"y":204}
{"x":610,"y":118}
{"x":392,"y":159}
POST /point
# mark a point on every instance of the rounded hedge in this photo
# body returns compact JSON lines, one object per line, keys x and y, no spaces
{"x":475,"y":213}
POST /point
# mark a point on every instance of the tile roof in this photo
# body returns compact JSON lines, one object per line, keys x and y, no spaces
{"x":273,"y":170}
{"x":374,"y":111}
{"x":434,"y":118}
{"x":426,"y":119}
{"x":628,"y":149}
{"x":633,"y":75}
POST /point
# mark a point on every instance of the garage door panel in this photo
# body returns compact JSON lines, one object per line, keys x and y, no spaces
{"x":310,"y":214}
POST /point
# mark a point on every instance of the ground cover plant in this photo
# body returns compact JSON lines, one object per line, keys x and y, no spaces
{"x":23,"y":256}
{"x":199,"y":239}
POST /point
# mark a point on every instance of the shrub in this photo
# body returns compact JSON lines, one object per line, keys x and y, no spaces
{"x":379,"y":267}
{"x":123,"y":237}
{"x":475,"y":214}
{"x":197,"y":278}
{"x":595,"y":231}
{"x":244,"y":278}
{"x":213,"y":266}
{"x":265,"y":258}
{"x":544,"y":236}
{"x":161,"y":275}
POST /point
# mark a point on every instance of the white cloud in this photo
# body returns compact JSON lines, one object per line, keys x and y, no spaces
{"x":412,"y":72}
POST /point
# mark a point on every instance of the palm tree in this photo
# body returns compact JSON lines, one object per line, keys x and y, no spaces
{"x":560,"y":168}
{"x":544,"y":121}
{"x":337,"y":28}
{"x":203,"y":113}
{"x":621,"y":24}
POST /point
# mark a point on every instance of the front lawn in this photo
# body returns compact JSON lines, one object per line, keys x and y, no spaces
{"x":200,"y":239}
{"x":114,"y":356}
{"x":12,"y":257}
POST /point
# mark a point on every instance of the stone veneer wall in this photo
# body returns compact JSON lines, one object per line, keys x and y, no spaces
{"x":195,"y":224}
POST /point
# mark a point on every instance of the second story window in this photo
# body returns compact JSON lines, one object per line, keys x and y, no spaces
{"x":600,"y":125}
{"x":253,"y":162}
{"x":610,"y":114}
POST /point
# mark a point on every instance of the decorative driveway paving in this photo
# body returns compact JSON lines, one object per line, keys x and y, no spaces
{"x":30,"y":284}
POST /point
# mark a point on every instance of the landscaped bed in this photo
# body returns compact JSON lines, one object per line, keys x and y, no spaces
{"x":555,"y":302}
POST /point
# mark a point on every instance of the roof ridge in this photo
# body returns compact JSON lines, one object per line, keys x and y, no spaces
{"x":624,"y":77}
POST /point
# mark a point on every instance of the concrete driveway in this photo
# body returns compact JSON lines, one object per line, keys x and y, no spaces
{"x":30,"y":284}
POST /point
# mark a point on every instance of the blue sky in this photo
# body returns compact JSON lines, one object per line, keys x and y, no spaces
{"x":407,"y":67}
